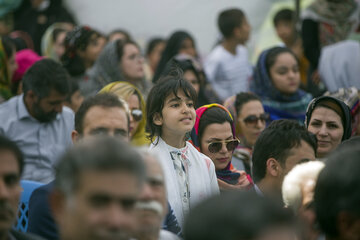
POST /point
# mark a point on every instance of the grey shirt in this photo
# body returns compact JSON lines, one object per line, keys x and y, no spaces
{"x":41,"y":143}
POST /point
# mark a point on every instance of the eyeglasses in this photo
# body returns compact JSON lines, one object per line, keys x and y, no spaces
{"x":136,"y":114}
{"x":253,"y":120}
{"x":231,"y":144}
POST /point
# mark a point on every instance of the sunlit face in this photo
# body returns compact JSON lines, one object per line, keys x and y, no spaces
{"x":326,"y":124}
{"x":101,"y":207}
{"x":251,"y":131}
{"x":10,"y":189}
{"x":192,"y":79}
{"x":285,"y":74}
{"x":132,"y":63}
{"x":177,"y":116}
{"x":216,"y":132}
{"x":187,"y":47}
{"x":134,"y":103}
{"x":59,"y":46}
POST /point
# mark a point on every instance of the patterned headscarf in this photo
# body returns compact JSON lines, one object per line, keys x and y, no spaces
{"x":47,"y":41}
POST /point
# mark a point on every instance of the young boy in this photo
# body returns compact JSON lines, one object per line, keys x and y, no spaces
{"x":227,"y":67}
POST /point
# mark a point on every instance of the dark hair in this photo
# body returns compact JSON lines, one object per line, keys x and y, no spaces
{"x":284,"y":15}
{"x":337,"y":188}
{"x":184,"y":65}
{"x":152,"y":44}
{"x":276,"y":141}
{"x":7,"y":144}
{"x":230,"y":19}
{"x":102,"y":154}
{"x":243,"y":98}
{"x":272,"y":55}
{"x":77,"y":39}
{"x":120,"y":46}
{"x":46,"y":75}
{"x":106,"y":100}
{"x":235,"y":215}
{"x":122,"y":31}
{"x":210,"y":116}
{"x":172,"y":48}
{"x":56,"y":33}
{"x":155,"y":102}
{"x":9,"y":46}
{"x":74,"y":86}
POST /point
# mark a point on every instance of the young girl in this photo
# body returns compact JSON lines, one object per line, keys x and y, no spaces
{"x":189,"y":175}
{"x":214,"y":135}
{"x":277,"y":81}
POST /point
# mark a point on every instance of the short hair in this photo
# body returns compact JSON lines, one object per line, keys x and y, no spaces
{"x":152,"y":44}
{"x":167,"y":85}
{"x":243,"y":98}
{"x":46,"y":75}
{"x":293,"y":182}
{"x":276,"y":141}
{"x":284,"y":15}
{"x":8,"y":145}
{"x":106,"y":100}
{"x":104,"y":154}
{"x":235,"y":215}
{"x":229,"y":19}
{"x":337,"y":189}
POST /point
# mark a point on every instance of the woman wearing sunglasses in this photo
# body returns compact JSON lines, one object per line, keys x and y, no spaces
{"x":214,"y":135}
{"x":136,"y":104}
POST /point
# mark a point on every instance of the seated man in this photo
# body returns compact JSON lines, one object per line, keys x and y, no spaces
{"x":281,"y":146}
{"x":102,"y":114}
{"x":11,"y":167}
{"x":37,"y":121}
{"x":96,"y":188}
{"x":337,"y":195}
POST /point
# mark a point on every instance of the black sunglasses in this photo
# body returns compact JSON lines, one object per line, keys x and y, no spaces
{"x":231,"y":144}
{"x":253,"y":120}
{"x":136,"y":114}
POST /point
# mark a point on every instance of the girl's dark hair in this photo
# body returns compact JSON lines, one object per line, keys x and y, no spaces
{"x":210,"y":116}
{"x":244,"y":97}
{"x":152,"y":44}
{"x":155,"y":102}
{"x":120,"y":46}
{"x":77,"y":39}
{"x":273,"y":54}
{"x":172,"y":48}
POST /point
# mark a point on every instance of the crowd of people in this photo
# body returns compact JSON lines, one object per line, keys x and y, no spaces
{"x":168,"y":144}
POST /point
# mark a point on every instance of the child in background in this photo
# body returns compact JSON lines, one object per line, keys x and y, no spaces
{"x":189,"y":175}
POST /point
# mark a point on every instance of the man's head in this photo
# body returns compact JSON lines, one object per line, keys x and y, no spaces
{"x":11,"y":166}
{"x":281,"y":146}
{"x":152,"y":205}
{"x":337,"y":194}
{"x":232,"y":23}
{"x":96,"y":188}
{"x":46,"y":86}
{"x":102,"y":114}
{"x":284,"y":23}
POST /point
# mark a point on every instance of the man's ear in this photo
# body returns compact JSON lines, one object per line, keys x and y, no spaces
{"x":157,"y":119}
{"x":57,"y":204}
{"x":75,"y":136}
{"x":273,"y":167}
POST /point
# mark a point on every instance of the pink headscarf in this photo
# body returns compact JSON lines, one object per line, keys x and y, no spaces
{"x":25,"y":59}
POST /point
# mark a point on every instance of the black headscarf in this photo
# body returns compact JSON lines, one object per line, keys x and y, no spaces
{"x":345,"y":115}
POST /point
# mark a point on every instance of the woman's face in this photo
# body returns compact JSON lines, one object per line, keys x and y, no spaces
{"x":94,"y":48}
{"x":193,"y":80}
{"x":216,"y":132}
{"x":59,"y":46}
{"x":327,"y":126}
{"x":187,"y":47}
{"x":285,"y":74}
{"x":132,"y":63}
{"x":251,"y":121}
{"x":134,"y":104}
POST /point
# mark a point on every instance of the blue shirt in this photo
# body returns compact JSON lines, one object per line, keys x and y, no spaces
{"x":41,"y":143}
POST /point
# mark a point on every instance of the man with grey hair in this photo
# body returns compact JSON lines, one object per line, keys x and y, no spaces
{"x":152,"y":205}
{"x":96,"y":188}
